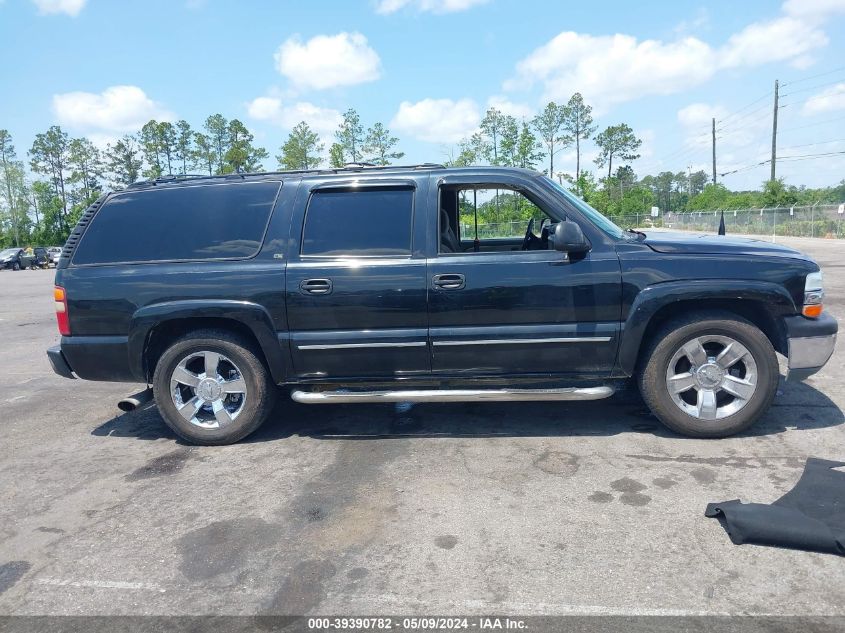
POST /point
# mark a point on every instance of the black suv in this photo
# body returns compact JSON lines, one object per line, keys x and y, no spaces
{"x":422,"y":284}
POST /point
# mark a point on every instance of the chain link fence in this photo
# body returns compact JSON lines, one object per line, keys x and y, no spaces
{"x":825,"y":221}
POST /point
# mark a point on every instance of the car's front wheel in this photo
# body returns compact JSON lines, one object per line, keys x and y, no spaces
{"x":212,"y":388}
{"x":709,"y":375}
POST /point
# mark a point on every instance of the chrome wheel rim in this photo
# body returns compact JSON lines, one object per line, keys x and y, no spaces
{"x":208,"y":389}
{"x":711,"y":377}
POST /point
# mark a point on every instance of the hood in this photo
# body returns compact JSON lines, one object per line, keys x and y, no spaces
{"x":668,"y":242}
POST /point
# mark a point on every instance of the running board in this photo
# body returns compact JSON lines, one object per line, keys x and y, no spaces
{"x":452,"y":395}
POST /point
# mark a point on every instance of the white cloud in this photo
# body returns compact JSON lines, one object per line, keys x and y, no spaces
{"x":326,"y":61}
{"x":776,"y":40}
{"x":437,"y":120}
{"x":698,"y":115}
{"x":322,"y":120}
{"x":433,"y":6}
{"x":69,"y":7}
{"x":814,"y":9}
{"x":742,"y":131}
{"x":610,"y":69}
{"x":826,"y":101}
{"x":265,"y":108}
{"x":116,"y":109}
{"x":647,"y":136}
{"x":697,"y":23}
{"x":506,"y":106}
{"x":696,"y":119}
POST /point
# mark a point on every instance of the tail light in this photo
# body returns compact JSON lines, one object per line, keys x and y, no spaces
{"x":813,"y":295}
{"x":61,"y":310}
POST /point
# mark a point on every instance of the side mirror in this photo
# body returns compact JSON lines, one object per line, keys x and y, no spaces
{"x":569,"y":238}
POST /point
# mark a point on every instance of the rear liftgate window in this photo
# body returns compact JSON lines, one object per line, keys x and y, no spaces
{"x":359,"y":223}
{"x":180,"y":223}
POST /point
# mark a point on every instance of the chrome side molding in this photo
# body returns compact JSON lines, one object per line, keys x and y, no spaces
{"x":525,"y":341}
{"x":452,"y":395}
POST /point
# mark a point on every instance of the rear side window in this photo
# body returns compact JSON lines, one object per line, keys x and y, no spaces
{"x":359,"y":223}
{"x":180,"y":223}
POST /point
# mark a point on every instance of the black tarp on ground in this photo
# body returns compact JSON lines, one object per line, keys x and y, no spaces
{"x":811,"y":516}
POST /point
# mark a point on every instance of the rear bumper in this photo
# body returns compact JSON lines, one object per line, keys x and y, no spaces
{"x":811,"y":344}
{"x":94,"y":358}
{"x":59,"y":362}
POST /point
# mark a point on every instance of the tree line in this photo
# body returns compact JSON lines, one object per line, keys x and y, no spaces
{"x":70,"y":173}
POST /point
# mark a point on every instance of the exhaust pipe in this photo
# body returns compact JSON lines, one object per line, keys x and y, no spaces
{"x":130,"y":403}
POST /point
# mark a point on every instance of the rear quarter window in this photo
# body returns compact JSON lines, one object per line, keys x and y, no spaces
{"x":180,"y":223}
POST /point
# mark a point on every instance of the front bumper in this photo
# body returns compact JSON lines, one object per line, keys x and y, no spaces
{"x":811,"y":344}
{"x":59,"y":362}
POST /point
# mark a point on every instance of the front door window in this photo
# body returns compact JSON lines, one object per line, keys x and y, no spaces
{"x":485,"y":219}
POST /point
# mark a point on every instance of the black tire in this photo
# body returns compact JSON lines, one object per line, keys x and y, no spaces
{"x":661,"y":350}
{"x":259,"y":398}
{"x":16,"y":266}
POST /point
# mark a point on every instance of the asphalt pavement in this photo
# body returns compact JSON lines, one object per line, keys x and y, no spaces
{"x":510,"y":508}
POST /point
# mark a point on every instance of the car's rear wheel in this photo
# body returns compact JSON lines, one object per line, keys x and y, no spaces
{"x":709,"y":375}
{"x":212,"y":388}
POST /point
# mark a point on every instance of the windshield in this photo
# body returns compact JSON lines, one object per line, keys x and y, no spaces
{"x":594,"y":216}
{"x":8,"y":252}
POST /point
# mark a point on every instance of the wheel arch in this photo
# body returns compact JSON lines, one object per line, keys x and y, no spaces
{"x":154,"y":327}
{"x":761,"y":303}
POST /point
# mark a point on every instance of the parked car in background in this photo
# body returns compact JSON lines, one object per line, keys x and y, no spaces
{"x":11,"y":258}
{"x":40,"y":258}
{"x":55,"y":254}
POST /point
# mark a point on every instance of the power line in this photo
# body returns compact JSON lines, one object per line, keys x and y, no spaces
{"x":815,"y":87}
{"x":737,"y":120}
{"x":733,"y":124}
{"x":838,"y":140}
{"x":809,"y":156}
{"x":829,"y":72}
{"x":782,"y":158}
{"x":746,"y":168}
{"x":801,"y":127}
{"x":730,"y":115}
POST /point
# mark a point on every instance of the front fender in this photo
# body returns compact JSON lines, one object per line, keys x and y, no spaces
{"x":652,"y":299}
{"x":252,"y":315}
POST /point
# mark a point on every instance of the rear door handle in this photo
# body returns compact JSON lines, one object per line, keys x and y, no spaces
{"x":449,"y":281}
{"x":316,"y":286}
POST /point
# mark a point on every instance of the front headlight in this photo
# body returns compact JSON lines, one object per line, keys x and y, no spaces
{"x":813,"y":295}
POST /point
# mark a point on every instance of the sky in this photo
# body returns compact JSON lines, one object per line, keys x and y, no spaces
{"x":428,"y":69}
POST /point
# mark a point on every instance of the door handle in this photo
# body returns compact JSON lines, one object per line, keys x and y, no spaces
{"x":449,"y":281}
{"x":316,"y":286}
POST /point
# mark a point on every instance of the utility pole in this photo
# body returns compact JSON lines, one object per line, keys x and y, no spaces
{"x":775,"y":132}
{"x":714,"y":150}
{"x":689,"y":181}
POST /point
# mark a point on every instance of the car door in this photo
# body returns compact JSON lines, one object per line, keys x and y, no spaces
{"x":356,"y":284}
{"x":508,"y":311}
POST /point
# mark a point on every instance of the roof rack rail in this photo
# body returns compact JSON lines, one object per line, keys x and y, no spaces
{"x":348,"y":167}
{"x":371,"y":166}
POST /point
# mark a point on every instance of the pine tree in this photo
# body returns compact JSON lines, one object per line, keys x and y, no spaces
{"x":378,"y":145}
{"x":578,"y":123}
{"x":549,"y":124}
{"x":123,"y":161}
{"x":302,"y":149}
{"x":350,"y":136}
